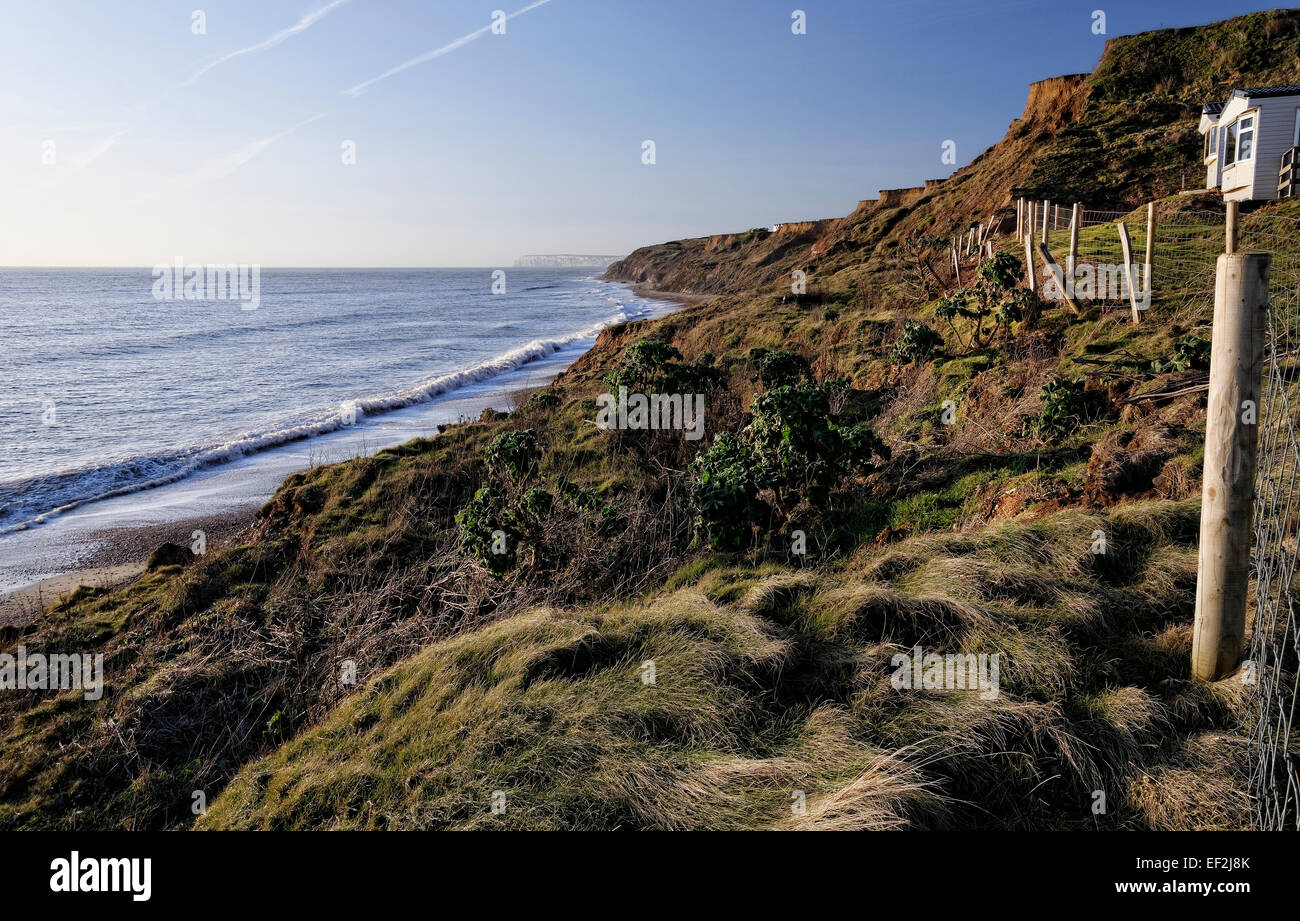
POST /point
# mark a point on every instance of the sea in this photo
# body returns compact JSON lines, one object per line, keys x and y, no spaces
{"x":122,"y":403}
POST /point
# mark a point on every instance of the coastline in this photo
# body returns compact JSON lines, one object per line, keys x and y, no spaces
{"x":112,"y":556}
{"x":119,"y":556}
{"x":682,"y":298}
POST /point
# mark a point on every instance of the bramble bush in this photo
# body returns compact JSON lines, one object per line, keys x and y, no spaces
{"x":542,"y":400}
{"x":1067,"y":404}
{"x":778,"y":368}
{"x":917,"y":343}
{"x":793,"y":453}
{"x":655,"y":366}
{"x":1191,"y":352}
{"x":994,"y":296}
{"x":512,"y":511}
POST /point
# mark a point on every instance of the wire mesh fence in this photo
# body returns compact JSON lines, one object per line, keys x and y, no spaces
{"x":1180,"y":277}
{"x":1186,"y":244}
{"x":1275,"y":639}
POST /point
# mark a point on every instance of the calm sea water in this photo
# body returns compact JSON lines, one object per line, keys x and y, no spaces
{"x":106,"y":391}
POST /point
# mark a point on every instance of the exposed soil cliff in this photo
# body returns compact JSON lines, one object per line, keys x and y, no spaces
{"x":1113,"y":139}
{"x":758,"y":258}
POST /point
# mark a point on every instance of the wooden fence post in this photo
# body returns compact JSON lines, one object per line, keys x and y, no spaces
{"x":1230,"y":244}
{"x":1020,"y":218}
{"x":1047,"y":207}
{"x":1072,"y":260}
{"x":1029,"y":262}
{"x":1151,"y":248}
{"x":1056,"y":217}
{"x":1128,"y":270}
{"x":1067,"y":289}
{"x":1231,"y":442}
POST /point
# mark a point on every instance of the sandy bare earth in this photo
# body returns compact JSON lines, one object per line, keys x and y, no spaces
{"x":120,"y":558}
{"x":677,"y":297}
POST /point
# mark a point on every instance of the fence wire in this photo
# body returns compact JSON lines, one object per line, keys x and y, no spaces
{"x":1187,"y":244}
{"x":1275,"y":636}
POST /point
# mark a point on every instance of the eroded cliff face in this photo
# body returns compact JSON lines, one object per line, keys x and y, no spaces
{"x":1055,"y":102}
{"x":1113,"y":139}
{"x":733,"y":262}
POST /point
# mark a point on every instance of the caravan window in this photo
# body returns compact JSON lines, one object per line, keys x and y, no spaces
{"x":1241,"y":140}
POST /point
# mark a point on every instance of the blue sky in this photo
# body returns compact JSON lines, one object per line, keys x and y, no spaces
{"x":226,"y":146}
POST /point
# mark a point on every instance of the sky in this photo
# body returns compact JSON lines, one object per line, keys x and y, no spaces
{"x":135,"y":133}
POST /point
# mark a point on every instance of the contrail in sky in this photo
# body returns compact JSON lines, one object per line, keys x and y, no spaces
{"x":224,"y":166}
{"x":301,"y":25}
{"x":437,"y":52}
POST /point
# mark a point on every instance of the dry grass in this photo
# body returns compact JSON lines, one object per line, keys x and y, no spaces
{"x":222,"y":661}
{"x":1200,"y":788}
{"x":773,"y":692}
{"x":770,"y":681}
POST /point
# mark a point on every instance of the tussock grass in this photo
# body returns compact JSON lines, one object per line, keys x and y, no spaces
{"x":773,"y":673}
{"x":1201,"y":787}
{"x":772,"y":705}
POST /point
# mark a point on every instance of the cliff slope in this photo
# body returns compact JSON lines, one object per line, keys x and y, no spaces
{"x":1113,"y":139}
{"x":974,"y":533}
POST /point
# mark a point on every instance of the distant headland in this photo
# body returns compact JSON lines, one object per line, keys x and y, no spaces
{"x":565,"y":262}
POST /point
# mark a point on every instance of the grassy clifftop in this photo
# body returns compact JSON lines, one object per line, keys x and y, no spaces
{"x":973,"y":533}
{"x":771,"y":684}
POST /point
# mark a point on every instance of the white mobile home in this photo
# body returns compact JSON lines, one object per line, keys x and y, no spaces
{"x":1251,"y":143}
